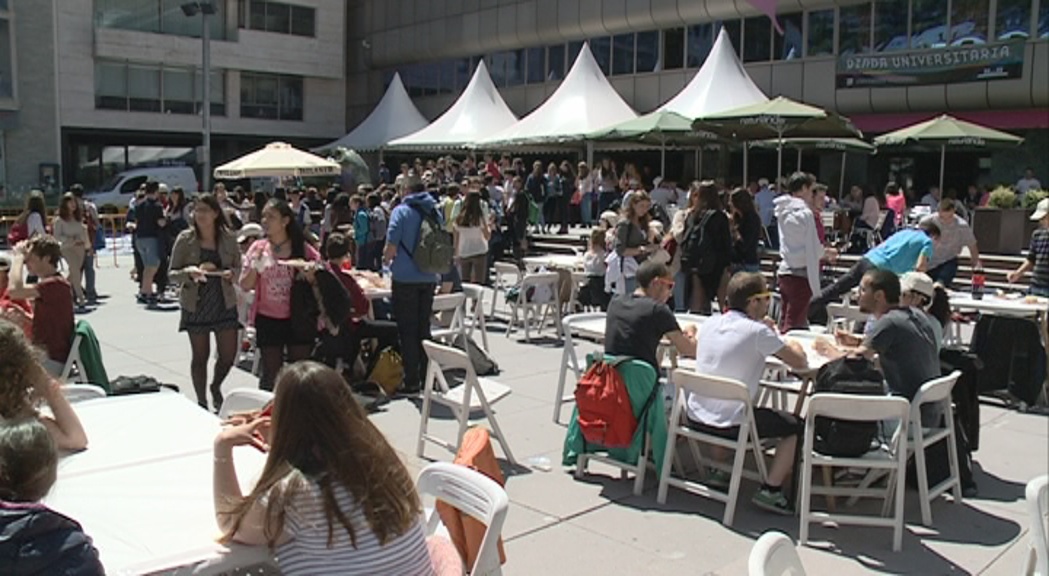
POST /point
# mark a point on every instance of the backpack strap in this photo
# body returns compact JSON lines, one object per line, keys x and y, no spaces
{"x":433,"y":211}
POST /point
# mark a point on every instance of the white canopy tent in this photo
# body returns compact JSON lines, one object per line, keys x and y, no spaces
{"x":720,"y":84}
{"x":479,"y":112}
{"x":394,"y":116}
{"x":584,"y":102}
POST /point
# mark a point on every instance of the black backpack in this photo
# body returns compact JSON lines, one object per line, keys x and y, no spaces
{"x":847,"y":438}
{"x":697,"y":254}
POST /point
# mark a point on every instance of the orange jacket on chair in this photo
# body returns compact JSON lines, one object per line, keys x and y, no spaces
{"x":466,"y":532}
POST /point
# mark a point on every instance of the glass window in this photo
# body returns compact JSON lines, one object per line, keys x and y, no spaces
{"x":890,"y":25}
{"x":303,"y":21}
{"x":734,"y":28}
{"x":6,"y":61}
{"x":536,"y":65}
{"x":788,"y":45}
{"x":1013,"y":20}
{"x":278,"y":17}
{"x":1043,"y":20}
{"x":497,"y":68}
{"x":821,"y":33}
{"x":515,"y":67}
{"x":928,"y":24}
{"x":141,"y":15}
{"x":573,"y":51}
{"x":258,"y":96}
{"x":602,"y":49}
{"x":623,"y":54}
{"x":143,"y":88}
{"x":179,"y":97}
{"x":555,"y":62}
{"x":673,"y":49}
{"x":218,"y":91}
{"x":647,"y":54}
{"x":700,"y":41}
{"x":3,"y":5}
{"x":462,"y":73}
{"x":258,"y":15}
{"x":969,"y":22}
{"x":757,"y":38}
{"x":447,"y":77}
{"x":110,"y":86}
{"x":854,"y":34}
{"x":291,"y":98}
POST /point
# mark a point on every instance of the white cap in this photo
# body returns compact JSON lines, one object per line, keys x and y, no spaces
{"x":763,"y":182}
{"x":249,"y":231}
{"x":1041,"y":210}
{"x":163,"y":188}
{"x":919,"y":282}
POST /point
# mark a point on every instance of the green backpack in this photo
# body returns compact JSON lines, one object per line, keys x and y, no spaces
{"x":433,"y":252}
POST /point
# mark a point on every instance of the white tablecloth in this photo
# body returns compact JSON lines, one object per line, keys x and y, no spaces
{"x":568,"y":261}
{"x":143,"y":488}
{"x":993,"y":304}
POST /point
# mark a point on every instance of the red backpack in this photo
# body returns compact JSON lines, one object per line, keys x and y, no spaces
{"x":606,"y":417}
{"x":19,"y":231}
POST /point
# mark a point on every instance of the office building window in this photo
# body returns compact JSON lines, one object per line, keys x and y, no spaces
{"x":555,"y":62}
{"x":179,"y":95}
{"x":515,"y":67}
{"x":157,"y":16}
{"x":463,"y":73}
{"x":854,"y":31}
{"x":890,"y":25}
{"x":673,"y":49}
{"x":623,"y":54}
{"x":271,"y":96}
{"x":536,"y":64}
{"x":7,"y":80}
{"x":1043,"y":19}
{"x":928,"y":24}
{"x":757,"y":39}
{"x":281,"y":18}
{"x":734,"y":29}
{"x":788,"y":45}
{"x":700,"y":41}
{"x":602,"y":49}
{"x":1013,"y":19}
{"x":647,"y":54}
{"x":573,"y":52}
{"x":447,"y":71}
{"x":111,"y":86}
{"x":969,"y":22}
{"x":153,"y":88}
{"x":821,"y":33}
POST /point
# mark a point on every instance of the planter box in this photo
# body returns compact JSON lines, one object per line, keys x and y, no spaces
{"x":1001,"y":231}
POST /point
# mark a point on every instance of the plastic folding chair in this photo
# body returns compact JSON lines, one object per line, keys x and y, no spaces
{"x":569,"y":358}
{"x":688,"y":382}
{"x":774,"y":555}
{"x":475,"y":495}
{"x":455,"y":305}
{"x":1037,"y":495}
{"x":80,"y":392}
{"x":74,"y":360}
{"x":506,"y":276}
{"x":244,"y":400}
{"x":935,"y":392}
{"x":527,"y":309}
{"x":474,"y":319}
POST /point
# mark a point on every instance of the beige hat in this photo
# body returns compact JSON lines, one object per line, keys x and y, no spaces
{"x":250,"y":231}
{"x":1041,"y":210}
{"x":919,"y":282}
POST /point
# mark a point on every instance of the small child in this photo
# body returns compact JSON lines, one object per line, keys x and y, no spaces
{"x":593,"y":293}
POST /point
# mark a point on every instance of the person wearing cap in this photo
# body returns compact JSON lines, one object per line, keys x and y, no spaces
{"x":1037,"y":261}
{"x":955,"y":234}
{"x":918,"y":291}
{"x":247,"y":234}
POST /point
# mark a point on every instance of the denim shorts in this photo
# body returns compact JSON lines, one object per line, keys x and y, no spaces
{"x":149,"y":251}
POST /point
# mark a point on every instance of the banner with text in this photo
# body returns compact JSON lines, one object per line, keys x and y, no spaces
{"x":937,"y":66}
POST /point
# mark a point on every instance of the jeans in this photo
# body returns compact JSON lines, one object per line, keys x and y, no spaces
{"x":945,"y":273}
{"x":89,"y":276}
{"x":412,"y":310}
{"x":848,"y":281}
{"x":586,"y":208}
{"x":629,"y":284}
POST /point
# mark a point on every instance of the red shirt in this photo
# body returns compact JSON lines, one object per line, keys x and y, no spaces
{"x":358,"y":299}
{"x":53,"y":317}
{"x":7,"y":303}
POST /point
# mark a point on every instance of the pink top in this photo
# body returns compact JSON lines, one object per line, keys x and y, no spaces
{"x":273,"y":287}
{"x":897,"y":204}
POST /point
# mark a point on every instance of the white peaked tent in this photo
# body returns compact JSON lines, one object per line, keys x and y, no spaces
{"x":583,"y":103}
{"x":394,"y":116}
{"x":721,"y":84}
{"x":479,"y":112}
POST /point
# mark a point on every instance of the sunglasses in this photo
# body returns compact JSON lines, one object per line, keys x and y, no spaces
{"x":760,"y":296}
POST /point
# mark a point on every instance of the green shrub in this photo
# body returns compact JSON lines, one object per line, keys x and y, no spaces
{"x":1033,"y":197}
{"x":1002,"y":198}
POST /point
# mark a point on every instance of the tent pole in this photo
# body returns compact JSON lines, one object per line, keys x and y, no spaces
{"x":746,"y":149}
{"x":943,"y":156}
{"x":590,"y":154}
{"x":663,"y":157}
{"x":779,"y":156}
{"x":799,"y":159}
{"x":841,"y":186}
{"x":699,"y":163}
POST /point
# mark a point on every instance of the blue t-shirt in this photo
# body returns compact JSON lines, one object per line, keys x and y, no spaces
{"x":404,"y":234}
{"x":361,"y":227}
{"x":900,"y":252}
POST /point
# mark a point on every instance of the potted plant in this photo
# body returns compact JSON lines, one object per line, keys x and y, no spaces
{"x":999,"y":227}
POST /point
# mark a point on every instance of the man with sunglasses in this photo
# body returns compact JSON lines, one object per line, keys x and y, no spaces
{"x":637,"y":322}
{"x":735,"y":345}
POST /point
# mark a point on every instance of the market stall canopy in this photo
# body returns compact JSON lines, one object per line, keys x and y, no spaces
{"x":781,"y":118}
{"x":479,"y":112}
{"x":825,"y":144}
{"x":722,"y":83}
{"x":393,"y":117}
{"x":946,"y":130}
{"x":277,"y":160}
{"x":660,"y":127}
{"x":583,"y":103}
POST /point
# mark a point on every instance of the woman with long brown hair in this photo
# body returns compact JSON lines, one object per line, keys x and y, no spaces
{"x":632,"y":239}
{"x":707,"y":245}
{"x":470,"y":239}
{"x":70,"y":231}
{"x":333,"y":491}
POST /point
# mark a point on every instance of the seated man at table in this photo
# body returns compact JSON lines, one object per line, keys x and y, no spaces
{"x":903,"y":337}
{"x":735,"y":345}
{"x":637,"y":322}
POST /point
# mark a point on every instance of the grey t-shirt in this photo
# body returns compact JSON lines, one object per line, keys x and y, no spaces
{"x":907,"y":349}
{"x":954,"y":236}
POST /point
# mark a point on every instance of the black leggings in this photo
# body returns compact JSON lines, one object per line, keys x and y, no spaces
{"x":200,"y":343}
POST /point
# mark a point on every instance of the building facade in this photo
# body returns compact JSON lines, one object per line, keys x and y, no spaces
{"x":884,"y":63}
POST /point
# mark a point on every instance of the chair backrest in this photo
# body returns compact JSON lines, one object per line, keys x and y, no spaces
{"x":827,"y":219}
{"x":454,"y":303}
{"x":448,"y":358}
{"x":505,"y":269}
{"x":574,"y":319}
{"x":932,"y":392}
{"x":473,"y":494}
{"x":80,"y":392}
{"x":475,"y":297}
{"x":1037,"y":495}
{"x":859,"y":408}
{"x":244,"y":400}
{"x":774,"y":554}
{"x":843,"y":314}
{"x":537,"y":279}
{"x":708,"y":386}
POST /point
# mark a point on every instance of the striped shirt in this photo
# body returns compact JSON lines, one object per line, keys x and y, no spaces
{"x":307,"y":553}
{"x":1038,"y":255}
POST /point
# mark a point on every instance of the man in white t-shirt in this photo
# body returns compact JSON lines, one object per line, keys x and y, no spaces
{"x":735,"y":345}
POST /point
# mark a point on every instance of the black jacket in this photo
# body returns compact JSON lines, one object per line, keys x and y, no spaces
{"x":35,"y":540}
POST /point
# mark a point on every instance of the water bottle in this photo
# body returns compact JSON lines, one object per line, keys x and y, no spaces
{"x":978,"y":281}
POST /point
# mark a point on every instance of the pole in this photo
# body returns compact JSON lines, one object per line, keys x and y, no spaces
{"x":699,"y":163}
{"x":943,"y":157}
{"x":779,"y":156}
{"x":663,"y":158}
{"x":746,"y":148}
{"x":799,"y":159}
{"x":841,"y":186}
{"x":206,"y":100}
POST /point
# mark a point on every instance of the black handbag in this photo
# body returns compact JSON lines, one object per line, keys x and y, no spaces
{"x":305,"y":311}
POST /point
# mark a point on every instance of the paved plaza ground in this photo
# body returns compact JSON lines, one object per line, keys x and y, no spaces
{"x":560,"y":525}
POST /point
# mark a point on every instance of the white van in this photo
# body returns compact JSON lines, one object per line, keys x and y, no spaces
{"x":121,"y":188}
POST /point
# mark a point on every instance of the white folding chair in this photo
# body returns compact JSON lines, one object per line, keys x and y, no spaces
{"x":80,"y":392}
{"x":845,"y":317}
{"x":827,"y":221}
{"x":475,"y":495}
{"x":1037,"y":495}
{"x":74,"y":360}
{"x":474,"y":394}
{"x":474,"y":319}
{"x":506,"y":275}
{"x":932,"y":393}
{"x":688,"y":382}
{"x":774,"y":555}
{"x":569,"y":358}
{"x":450,"y":310}
{"x":244,"y":400}
{"x":545,"y":287}
{"x":890,"y":456}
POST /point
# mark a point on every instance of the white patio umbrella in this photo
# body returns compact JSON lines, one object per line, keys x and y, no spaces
{"x":277,"y":160}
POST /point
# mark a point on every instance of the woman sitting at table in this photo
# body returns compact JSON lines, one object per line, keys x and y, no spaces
{"x":33,"y":538}
{"x":332,"y":493}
